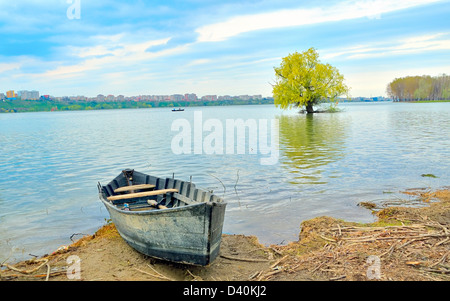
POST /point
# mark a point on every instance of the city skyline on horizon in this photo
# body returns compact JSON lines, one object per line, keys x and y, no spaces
{"x":77,"y":47}
{"x":133,"y":95}
{"x":159,"y":97}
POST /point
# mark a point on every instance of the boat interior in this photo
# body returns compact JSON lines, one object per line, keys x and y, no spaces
{"x":134,"y":191}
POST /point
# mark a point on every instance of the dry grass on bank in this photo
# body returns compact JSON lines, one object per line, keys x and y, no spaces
{"x":404,"y":244}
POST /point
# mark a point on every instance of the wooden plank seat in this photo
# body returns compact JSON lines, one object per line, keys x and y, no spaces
{"x":140,"y":194}
{"x":134,"y":187}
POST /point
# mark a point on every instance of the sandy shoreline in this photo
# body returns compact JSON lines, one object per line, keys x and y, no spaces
{"x":403,"y":244}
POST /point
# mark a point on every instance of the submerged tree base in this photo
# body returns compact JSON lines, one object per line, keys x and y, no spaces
{"x":330,"y":109}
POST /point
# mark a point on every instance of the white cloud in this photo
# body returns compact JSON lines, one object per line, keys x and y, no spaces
{"x":421,"y":44}
{"x":9,"y":66}
{"x":105,"y":57}
{"x":113,"y":46}
{"x":410,"y":45}
{"x":198,"y":62}
{"x":297,"y":17}
{"x":373,"y":82}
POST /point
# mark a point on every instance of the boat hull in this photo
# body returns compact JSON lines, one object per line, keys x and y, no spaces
{"x":191,"y":234}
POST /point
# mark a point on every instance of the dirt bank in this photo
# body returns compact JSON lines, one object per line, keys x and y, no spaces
{"x":404,"y":244}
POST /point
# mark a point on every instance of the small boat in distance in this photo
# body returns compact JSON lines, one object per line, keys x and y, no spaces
{"x":165,"y":218}
{"x":177,"y":110}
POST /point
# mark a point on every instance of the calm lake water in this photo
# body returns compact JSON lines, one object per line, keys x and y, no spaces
{"x":50,"y":164}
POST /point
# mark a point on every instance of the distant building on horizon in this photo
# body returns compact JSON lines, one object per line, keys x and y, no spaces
{"x":225,"y":97}
{"x":10,"y":94}
{"x":100,"y":97}
{"x":176,"y":97}
{"x":190,"y":97}
{"x":28,"y":95}
{"x":209,"y":97}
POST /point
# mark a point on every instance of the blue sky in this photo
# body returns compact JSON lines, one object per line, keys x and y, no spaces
{"x":214,"y":47}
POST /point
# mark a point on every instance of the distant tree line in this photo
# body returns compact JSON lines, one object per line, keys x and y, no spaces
{"x":414,"y":88}
{"x":15,"y":106}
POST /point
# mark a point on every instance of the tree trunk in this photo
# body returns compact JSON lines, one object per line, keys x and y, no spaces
{"x":309,"y":108}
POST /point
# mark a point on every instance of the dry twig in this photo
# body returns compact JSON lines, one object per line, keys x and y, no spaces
{"x":196,"y":278}
{"x":243,"y":259}
{"x":157,"y":275}
{"x":27,"y":271}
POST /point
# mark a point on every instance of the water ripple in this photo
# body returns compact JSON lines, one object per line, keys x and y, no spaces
{"x":50,"y":164}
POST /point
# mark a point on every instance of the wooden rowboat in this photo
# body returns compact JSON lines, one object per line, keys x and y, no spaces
{"x":165,"y":218}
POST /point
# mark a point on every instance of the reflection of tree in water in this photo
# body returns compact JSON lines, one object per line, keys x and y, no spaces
{"x":308,"y":143}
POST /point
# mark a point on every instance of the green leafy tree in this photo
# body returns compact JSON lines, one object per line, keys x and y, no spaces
{"x":425,"y":87}
{"x":303,"y":81}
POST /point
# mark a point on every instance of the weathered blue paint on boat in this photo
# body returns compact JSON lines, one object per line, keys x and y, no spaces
{"x":188,"y":231}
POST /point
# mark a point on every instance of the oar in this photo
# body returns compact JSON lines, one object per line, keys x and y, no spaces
{"x":155,"y":204}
